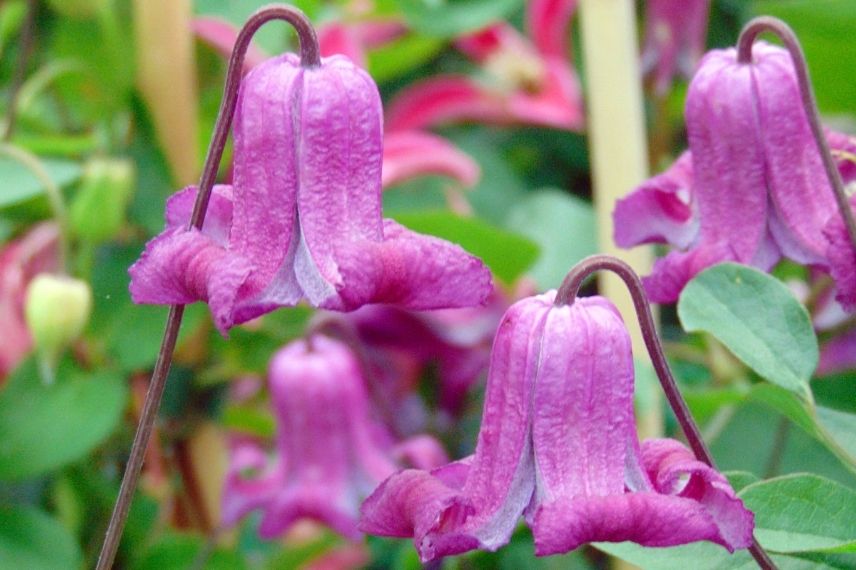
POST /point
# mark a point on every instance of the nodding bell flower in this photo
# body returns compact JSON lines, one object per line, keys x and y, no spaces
{"x":302,"y":219}
{"x":675,"y":34}
{"x":330,"y":454}
{"x":558,"y":445}
{"x":756,"y":178}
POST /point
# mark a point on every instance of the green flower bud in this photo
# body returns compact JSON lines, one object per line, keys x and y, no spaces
{"x":98,"y":209}
{"x":57,"y":309}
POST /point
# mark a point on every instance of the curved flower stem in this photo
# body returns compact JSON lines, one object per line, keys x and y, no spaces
{"x":310,"y":57}
{"x":25,"y":46}
{"x":567,"y":294}
{"x":780,"y":29}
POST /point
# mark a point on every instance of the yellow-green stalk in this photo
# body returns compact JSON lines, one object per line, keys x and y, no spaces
{"x":618,"y":149}
{"x":166,"y":76}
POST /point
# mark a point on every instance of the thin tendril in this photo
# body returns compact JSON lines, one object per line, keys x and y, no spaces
{"x":309,"y":57}
{"x":567,"y":294}
{"x":748,"y":35}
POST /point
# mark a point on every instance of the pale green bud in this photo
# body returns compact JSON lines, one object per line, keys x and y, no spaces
{"x":98,"y":209}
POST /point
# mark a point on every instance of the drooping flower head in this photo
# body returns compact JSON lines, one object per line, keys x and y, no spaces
{"x":757,"y":179}
{"x":302,"y":219}
{"x":329,"y":451}
{"x":558,"y":445}
{"x":675,"y":33}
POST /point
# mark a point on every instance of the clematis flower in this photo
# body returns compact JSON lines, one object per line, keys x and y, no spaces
{"x":21,"y":260}
{"x":530,"y":79}
{"x":675,"y":34}
{"x":558,"y":445}
{"x":756,"y":179}
{"x":302,"y":219}
{"x":329,"y":452}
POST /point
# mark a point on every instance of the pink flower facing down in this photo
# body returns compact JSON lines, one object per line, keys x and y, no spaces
{"x":532,"y":81}
{"x":558,"y":445}
{"x":675,"y":34}
{"x":302,"y":219}
{"x":755,"y":177}
{"x":406,"y":154}
{"x":329,"y":453}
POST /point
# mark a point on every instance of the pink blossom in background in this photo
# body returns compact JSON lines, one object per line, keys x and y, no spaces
{"x":21,"y":260}
{"x":329,"y":453}
{"x":531,"y":79}
{"x":675,"y":34}
{"x":558,"y":445}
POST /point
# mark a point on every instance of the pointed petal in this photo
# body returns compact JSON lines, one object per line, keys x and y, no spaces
{"x":487,"y":42}
{"x":838,"y":354}
{"x":672,"y":272}
{"x":338,"y":38}
{"x":218,"y":216}
{"x":421,"y":452}
{"x":730,"y":185}
{"x":675,"y":471}
{"x":558,"y":102}
{"x":584,"y":379}
{"x":221,"y":35}
{"x":843,"y":148}
{"x":409,"y":270}
{"x":548,"y":23}
{"x":660,"y":210}
{"x":265,"y":176}
{"x":842,"y":261}
{"x":410,"y":154}
{"x":444,"y":99}
{"x":798,"y":184}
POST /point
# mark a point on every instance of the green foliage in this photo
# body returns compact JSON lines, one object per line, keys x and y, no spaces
{"x":757,"y":318}
{"x":20,"y":184}
{"x":31,"y":539}
{"x":449,"y":18}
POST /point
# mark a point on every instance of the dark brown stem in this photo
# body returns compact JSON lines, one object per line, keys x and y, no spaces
{"x":309,"y":57}
{"x":25,"y":47}
{"x":567,"y":294}
{"x":748,"y":35}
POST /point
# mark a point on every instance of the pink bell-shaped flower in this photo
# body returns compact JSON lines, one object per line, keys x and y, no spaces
{"x":558,"y":445}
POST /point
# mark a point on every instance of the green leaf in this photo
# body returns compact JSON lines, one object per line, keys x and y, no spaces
{"x":454,"y":17}
{"x":508,"y":255}
{"x":834,"y":429}
{"x":47,"y":426}
{"x":824,"y":27}
{"x":33,"y":540}
{"x":179,"y":551}
{"x":757,"y":318}
{"x":698,"y":556}
{"x":20,"y":185}
{"x":803,"y":513}
{"x":402,"y":55}
{"x":562,"y":225}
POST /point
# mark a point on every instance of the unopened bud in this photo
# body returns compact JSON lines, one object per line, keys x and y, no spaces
{"x":98,"y":210}
{"x":57,"y":309}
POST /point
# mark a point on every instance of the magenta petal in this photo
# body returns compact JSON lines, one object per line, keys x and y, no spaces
{"x":410,"y":270}
{"x":842,"y":261}
{"x":410,"y":154}
{"x":838,"y":354}
{"x":660,"y":210}
{"x":249,"y":484}
{"x":308,"y":501}
{"x":646,"y":518}
{"x":843,"y":148}
{"x":547,"y":23}
{"x":672,"y":272}
{"x":221,"y":35}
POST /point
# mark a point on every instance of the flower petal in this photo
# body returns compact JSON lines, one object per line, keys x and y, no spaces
{"x":409,"y":270}
{"x":660,"y":210}
{"x":842,"y":261}
{"x":672,"y":272}
{"x":410,"y":154}
{"x":547,"y":23}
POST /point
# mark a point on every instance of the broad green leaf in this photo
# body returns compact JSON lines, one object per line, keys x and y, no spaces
{"x":757,"y":318}
{"x":18,"y":184}
{"x":824,"y":28}
{"x":834,"y":429}
{"x":803,"y":513}
{"x":699,"y":556}
{"x":449,"y":18}
{"x":33,"y":540}
{"x":562,"y":225}
{"x":47,"y":426}
{"x":399,"y":57}
{"x":508,"y":255}
{"x":740,"y":479}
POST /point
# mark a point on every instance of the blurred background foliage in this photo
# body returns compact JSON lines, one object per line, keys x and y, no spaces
{"x":94,"y":124}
